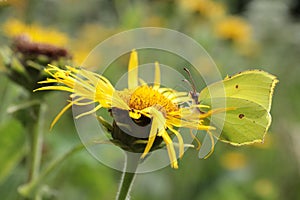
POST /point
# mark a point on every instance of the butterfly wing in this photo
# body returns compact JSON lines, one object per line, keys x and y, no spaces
{"x":254,"y":85}
{"x":247,"y":97}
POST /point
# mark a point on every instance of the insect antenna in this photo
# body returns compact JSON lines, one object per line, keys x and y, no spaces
{"x":191,"y":82}
{"x":193,"y":93}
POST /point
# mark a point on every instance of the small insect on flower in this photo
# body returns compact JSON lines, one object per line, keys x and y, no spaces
{"x":147,"y":117}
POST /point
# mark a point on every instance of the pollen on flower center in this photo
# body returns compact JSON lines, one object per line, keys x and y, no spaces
{"x":145,"y":96}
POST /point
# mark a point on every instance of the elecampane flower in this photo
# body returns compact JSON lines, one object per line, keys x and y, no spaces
{"x":32,"y":47}
{"x":233,"y":28}
{"x":38,"y":34}
{"x":165,"y":109}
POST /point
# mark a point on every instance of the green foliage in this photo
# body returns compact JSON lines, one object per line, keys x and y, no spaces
{"x":12,"y":147}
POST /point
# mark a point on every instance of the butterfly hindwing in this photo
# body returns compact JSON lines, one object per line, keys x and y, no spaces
{"x":244,"y":122}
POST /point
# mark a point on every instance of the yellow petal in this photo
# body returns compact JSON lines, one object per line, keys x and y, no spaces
{"x":89,"y":112}
{"x":212,"y":144}
{"x":133,"y":70}
{"x":62,"y":88}
{"x":151,"y":138}
{"x":60,"y":114}
{"x":158,"y":124}
{"x":171,"y":150}
{"x":157,"y":76}
{"x":196,"y":139}
{"x":134,"y":115}
{"x":180,"y":141}
{"x":142,"y":82}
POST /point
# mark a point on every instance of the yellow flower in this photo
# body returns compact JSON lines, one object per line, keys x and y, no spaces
{"x":233,"y":160}
{"x":32,"y":48}
{"x":14,"y":28}
{"x":207,"y":8}
{"x":82,"y":49}
{"x":264,"y":188}
{"x":233,"y":28}
{"x":154,"y":21}
{"x":164,"y":109}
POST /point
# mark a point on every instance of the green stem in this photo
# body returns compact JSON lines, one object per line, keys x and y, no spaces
{"x":131,"y":164}
{"x":37,"y":146}
{"x":15,"y":108}
{"x":30,"y":188}
{"x":38,"y":142}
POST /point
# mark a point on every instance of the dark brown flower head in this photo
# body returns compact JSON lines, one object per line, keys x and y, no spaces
{"x":24,"y":45}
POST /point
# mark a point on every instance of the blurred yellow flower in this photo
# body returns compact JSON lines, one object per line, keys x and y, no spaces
{"x":233,"y":160}
{"x":31,"y":49}
{"x":264,"y":188}
{"x":207,"y":8}
{"x":80,"y":56}
{"x":154,"y":21}
{"x":38,"y":34}
{"x":233,"y":28}
{"x":84,"y":42}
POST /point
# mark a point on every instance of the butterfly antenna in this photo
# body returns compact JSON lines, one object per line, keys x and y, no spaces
{"x":192,"y":83}
{"x":188,"y":82}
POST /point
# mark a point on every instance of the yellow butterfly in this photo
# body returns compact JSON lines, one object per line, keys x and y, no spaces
{"x":241,"y":106}
{"x":248,"y":98}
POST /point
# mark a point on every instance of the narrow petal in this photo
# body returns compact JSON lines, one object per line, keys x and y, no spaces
{"x":158,"y":124}
{"x":180,"y":141}
{"x":84,"y":103}
{"x":196,"y":139}
{"x":89,"y":112}
{"x":157,"y":76}
{"x":212,"y":144}
{"x":62,"y":88}
{"x":118,"y":102}
{"x":60,"y":114}
{"x":133,"y":70}
{"x":142,"y":82}
{"x":155,"y":114}
{"x":215,"y":111}
{"x":151,"y":137}
{"x":48,"y":80}
{"x":136,"y":115}
{"x":171,"y":150}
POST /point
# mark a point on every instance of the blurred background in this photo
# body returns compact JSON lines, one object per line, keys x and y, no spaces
{"x":238,"y":34}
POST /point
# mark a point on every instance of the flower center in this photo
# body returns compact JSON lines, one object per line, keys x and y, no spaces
{"x":145,"y":96}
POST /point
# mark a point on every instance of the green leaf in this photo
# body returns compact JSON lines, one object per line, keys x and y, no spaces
{"x":12,"y":147}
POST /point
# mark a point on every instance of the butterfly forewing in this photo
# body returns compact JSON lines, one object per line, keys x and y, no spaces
{"x":256,"y":86}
